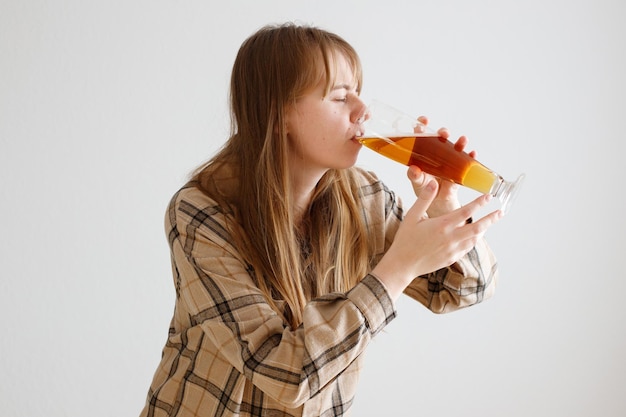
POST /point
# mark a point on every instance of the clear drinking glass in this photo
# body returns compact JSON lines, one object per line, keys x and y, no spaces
{"x":404,"y":139}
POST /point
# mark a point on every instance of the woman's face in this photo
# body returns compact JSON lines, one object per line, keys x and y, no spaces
{"x":321,"y":129}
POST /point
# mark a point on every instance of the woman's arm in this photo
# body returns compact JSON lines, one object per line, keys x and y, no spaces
{"x":421,"y":245}
{"x":454,"y":265}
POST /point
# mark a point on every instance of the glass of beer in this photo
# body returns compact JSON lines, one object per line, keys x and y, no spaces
{"x":404,"y":139}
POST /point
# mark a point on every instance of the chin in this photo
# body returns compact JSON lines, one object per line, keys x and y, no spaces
{"x":350,"y":163}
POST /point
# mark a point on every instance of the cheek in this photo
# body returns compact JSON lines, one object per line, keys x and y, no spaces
{"x":309,"y":132}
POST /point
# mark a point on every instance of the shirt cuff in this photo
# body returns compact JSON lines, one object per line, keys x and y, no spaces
{"x":372,"y":299}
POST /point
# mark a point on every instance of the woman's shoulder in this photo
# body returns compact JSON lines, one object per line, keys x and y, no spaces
{"x":194,"y":214}
{"x":375,"y":195}
{"x":213,"y":188}
{"x":191,"y":193}
{"x":191,"y":204}
{"x":369,"y":182}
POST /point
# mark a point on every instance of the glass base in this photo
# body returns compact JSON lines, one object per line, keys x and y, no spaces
{"x":508,"y":191}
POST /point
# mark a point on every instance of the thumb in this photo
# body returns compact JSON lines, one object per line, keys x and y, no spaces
{"x":426,"y":196}
{"x":417,"y":177}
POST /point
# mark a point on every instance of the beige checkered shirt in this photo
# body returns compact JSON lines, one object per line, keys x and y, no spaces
{"x":229,"y":354}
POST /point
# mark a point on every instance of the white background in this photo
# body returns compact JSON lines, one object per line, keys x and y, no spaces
{"x":105,"y":107}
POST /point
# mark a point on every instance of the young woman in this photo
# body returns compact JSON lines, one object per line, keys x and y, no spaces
{"x":287,"y":259}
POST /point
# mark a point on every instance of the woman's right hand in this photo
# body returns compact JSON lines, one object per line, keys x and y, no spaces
{"x":424,"y":245}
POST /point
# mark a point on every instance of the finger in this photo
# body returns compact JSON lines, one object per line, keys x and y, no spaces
{"x":418,"y":211}
{"x":443,"y":133}
{"x":419,"y":128}
{"x":460,"y":144}
{"x":485,"y":222}
{"x":477,"y":230}
{"x":461,"y":215}
{"x":417,"y":177}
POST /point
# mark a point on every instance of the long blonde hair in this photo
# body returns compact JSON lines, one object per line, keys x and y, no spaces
{"x":272,"y":69}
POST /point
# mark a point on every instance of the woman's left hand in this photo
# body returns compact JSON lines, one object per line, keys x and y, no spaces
{"x":447,"y":198}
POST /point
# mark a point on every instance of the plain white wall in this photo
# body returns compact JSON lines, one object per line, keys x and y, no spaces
{"x":106,"y":106}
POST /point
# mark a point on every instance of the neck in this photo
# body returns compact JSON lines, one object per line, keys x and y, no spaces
{"x":302,"y":190}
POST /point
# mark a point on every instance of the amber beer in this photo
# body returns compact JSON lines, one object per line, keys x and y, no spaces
{"x":436,"y":156}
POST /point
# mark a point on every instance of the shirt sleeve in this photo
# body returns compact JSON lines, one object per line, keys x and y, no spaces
{"x":469,"y":281}
{"x":217,"y":297}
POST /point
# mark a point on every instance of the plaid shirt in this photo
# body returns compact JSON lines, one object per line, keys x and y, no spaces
{"x":229,"y":354}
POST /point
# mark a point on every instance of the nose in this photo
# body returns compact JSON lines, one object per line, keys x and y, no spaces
{"x":363,"y":114}
{"x":360,"y":113}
